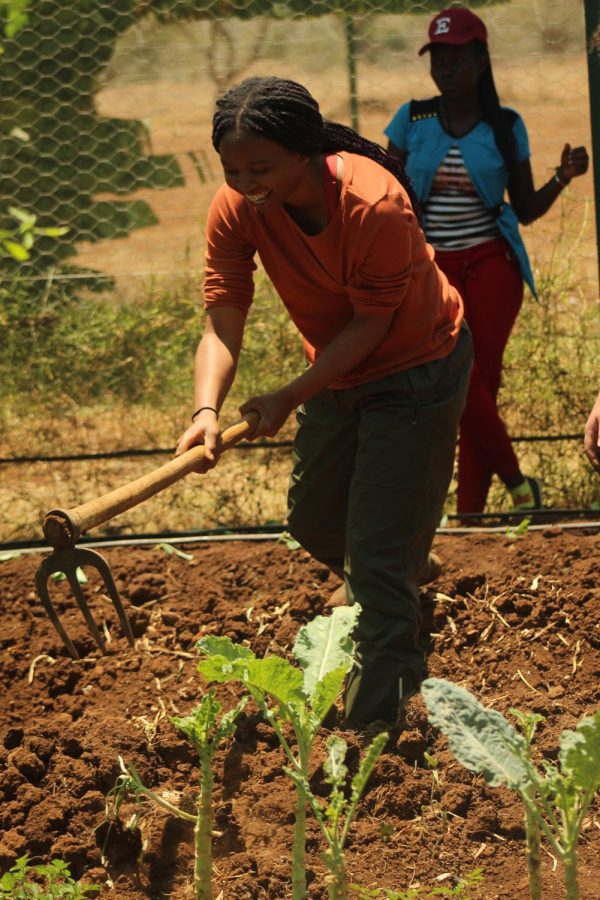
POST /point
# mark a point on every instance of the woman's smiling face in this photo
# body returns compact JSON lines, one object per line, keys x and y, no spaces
{"x":263,"y":171}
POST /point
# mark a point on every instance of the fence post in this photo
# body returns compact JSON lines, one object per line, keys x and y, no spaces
{"x":592,"y":21}
{"x":351,"y":62}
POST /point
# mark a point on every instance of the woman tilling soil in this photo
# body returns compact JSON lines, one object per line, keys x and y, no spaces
{"x":332,"y":219}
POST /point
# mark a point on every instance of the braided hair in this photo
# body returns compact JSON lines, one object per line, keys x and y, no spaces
{"x":283,"y":111}
{"x":500,"y":120}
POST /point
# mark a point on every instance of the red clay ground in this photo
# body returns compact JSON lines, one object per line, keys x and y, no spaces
{"x":519,"y":626}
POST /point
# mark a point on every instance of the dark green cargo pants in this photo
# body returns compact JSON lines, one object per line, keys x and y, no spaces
{"x":372,"y":465}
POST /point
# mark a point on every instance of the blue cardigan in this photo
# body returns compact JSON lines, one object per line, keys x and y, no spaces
{"x":426,"y":143}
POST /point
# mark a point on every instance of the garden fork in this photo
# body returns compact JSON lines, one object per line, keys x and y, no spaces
{"x":64,"y":527}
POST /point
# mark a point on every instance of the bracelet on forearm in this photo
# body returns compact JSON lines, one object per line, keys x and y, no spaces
{"x":199,"y":410}
{"x":559,"y":180}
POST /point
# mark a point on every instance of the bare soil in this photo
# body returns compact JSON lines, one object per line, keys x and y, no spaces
{"x":516,"y":621}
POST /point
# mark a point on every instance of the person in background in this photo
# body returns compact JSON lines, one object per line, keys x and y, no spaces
{"x":331,"y":217}
{"x":592,"y":433}
{"x":463,"y":152}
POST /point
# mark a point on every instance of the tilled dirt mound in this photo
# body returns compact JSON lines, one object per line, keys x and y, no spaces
{"x":515,"y":621}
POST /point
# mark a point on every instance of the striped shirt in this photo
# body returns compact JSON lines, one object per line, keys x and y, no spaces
{"x":455,"y":216}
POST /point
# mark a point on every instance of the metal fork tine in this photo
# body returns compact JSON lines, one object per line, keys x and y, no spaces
{"x":95,"y":559}
{"x":83,"y":606}
{"x":41,"y":581}
{"x":68,"y":561}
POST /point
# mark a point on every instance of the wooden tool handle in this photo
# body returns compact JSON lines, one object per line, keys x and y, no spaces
{"x":63,"y":527}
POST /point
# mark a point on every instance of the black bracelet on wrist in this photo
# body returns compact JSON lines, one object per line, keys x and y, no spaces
{"x":559,"y":180}
{"x":199,"y":410}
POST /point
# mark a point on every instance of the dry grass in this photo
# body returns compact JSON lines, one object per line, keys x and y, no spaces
{"x":247,"y":488}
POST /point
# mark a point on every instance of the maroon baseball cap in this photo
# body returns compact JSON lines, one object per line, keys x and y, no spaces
{"x":457,"y":26}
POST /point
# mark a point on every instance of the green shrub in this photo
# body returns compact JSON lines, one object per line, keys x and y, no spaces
{"x":43,"y":882}
{"x":93,"y":348}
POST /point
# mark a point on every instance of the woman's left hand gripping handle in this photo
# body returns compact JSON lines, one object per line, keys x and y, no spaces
{"x":203,"y":430}
{"x":271,"y":411}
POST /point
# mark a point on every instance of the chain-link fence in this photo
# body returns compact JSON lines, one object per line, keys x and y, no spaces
{"x":107,"y":106}
{"x":106,"y":115}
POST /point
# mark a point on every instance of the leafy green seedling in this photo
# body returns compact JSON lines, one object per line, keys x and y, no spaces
{"x":433,"y":764}
{"x":460,"y":889}
{"x":206,"y":732}
{"x":335,"y":817}
{"x":9,"y":554}
{"x":556,"y":802}
{"x":174,"y":551}
{"x":301,"y":696}
{"x":528,"y":723}
{"x":43,"y":882}
{"x":18,"y":241}
{"x":290,"y":542}
{"x":79,"y":575}
{"x":517,"y":531}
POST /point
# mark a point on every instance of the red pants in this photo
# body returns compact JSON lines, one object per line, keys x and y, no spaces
{"x":490,"y":283}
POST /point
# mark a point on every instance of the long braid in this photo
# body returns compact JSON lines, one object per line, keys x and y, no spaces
{"x":285,"y":112}
{"x":493,"y":113}
{"x":340,"y":137}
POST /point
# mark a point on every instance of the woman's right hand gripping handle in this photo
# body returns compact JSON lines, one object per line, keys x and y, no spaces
{"x":203,"y":430}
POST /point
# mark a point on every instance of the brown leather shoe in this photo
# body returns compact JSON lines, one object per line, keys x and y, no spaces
{"x":338,"y":598}
{"x":377,"y":693}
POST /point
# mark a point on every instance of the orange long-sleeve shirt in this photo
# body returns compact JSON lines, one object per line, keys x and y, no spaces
{"x":371,"y":256}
